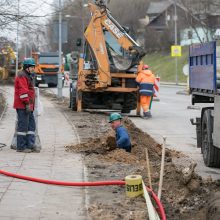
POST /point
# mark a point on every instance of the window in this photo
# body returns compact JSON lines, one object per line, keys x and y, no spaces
{"x":118,"y":56}
{"x":203,"y":60}
{"x":194,"y":61}
{"x":209,"y":59}
{"x":191,"y":61}
{"x":49,"y":60}
{"x":189,"y":33}
{"x":197,"y":60}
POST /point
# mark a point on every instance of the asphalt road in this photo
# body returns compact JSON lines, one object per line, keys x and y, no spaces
{"x":171,"y":118}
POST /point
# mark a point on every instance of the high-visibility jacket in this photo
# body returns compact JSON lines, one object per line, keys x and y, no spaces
{"x":146,"y":80}
{"x":24,"y":92}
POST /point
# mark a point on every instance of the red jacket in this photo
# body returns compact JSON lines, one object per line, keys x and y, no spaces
{"x":24,"y":91}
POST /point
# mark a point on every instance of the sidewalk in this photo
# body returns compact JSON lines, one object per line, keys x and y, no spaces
{"x":22,"y":200}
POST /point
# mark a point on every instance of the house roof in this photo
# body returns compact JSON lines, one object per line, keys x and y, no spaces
{"x":158,"y":7}
{"x":215,"y":8}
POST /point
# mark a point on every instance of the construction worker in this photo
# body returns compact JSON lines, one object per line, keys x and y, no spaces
{"x":122,"y":136}
{"x":24,"y":98}
{"x":145,"y":80}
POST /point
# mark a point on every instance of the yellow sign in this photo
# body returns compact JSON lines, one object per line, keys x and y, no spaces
{"x":176,"y":51}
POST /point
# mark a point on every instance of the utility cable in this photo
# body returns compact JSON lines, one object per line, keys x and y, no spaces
{"x":161,"y":211}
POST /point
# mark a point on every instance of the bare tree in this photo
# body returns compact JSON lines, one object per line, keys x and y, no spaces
{"x":126,"y":12}
{"x":201,"y":11}
{"x":31,"y":18}
{"x":77,"y":18}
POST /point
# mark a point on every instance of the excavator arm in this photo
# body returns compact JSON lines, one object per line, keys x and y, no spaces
{"x":103,"y":31}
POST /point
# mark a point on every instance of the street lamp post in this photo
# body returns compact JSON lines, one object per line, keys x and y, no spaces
{"x":16,"y":67}
{"x":175,"y":33}
{"x":83,"y":24}
{"x":59,"y":83}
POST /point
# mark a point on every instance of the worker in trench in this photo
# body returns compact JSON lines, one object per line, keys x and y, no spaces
{"x":24,"y":99}
{"x":146,"y":81}
{"x":122,"y":136}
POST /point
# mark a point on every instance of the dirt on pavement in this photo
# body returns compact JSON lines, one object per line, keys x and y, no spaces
{"x":184,"y":194}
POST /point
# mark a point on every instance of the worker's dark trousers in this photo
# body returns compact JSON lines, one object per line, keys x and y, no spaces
{"x":25,"y":130}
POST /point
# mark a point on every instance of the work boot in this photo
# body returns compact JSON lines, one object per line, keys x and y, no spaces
{"x":13,"y":147}
{"x":24,"y":150}
{"x":36,"y":149}
{"x":147,"y":114}
{"x":27,"y":150}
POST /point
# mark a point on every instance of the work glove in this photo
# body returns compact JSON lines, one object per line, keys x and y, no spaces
{"x":28,"y":108}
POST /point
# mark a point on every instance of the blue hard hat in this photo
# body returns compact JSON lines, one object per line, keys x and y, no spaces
{"x":28,"y":62}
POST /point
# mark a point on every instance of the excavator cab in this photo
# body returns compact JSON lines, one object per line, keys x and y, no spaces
{"x":119,"y":59}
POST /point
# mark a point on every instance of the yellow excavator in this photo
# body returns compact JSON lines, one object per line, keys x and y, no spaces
{"x":7,"y":62}
{"x":108,"y":66}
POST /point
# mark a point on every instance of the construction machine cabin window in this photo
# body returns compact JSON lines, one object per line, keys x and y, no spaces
{"x":118,"y":57}
{"x":49,"y":60}
{"x":89,"y":58}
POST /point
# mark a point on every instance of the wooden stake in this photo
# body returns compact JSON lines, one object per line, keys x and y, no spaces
{"x":148,"y":169}
{"x":162,"y":167}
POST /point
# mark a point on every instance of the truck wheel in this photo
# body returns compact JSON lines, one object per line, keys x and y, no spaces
{"x":71,"y":96}
{"x":213,"y":209}
{"x":73,"y":104}
{"x":211,"y":154}
{"x":130,"y":102}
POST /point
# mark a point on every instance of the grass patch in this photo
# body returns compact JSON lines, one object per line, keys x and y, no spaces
{"x":163,"y":65}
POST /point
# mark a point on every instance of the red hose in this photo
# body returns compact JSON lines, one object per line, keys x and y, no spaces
{"x":100,"y":183}
{"x":54,"y":182}
{"x":159,"y":204}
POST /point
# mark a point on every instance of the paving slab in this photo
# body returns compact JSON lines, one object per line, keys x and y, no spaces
{"x":20,"y":199}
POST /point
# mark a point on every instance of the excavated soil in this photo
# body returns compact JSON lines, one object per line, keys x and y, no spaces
{"x":184,"y":193}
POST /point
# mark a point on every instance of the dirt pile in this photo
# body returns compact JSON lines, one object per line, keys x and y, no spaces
{"x":98,"y":210}
{"x":183,"y":195}
{"x":97,"y":145}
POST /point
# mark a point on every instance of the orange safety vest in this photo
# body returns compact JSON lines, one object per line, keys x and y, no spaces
{"x":146,"y":80}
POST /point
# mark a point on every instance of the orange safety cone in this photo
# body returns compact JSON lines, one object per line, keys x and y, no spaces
{"x":156,"y":89}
